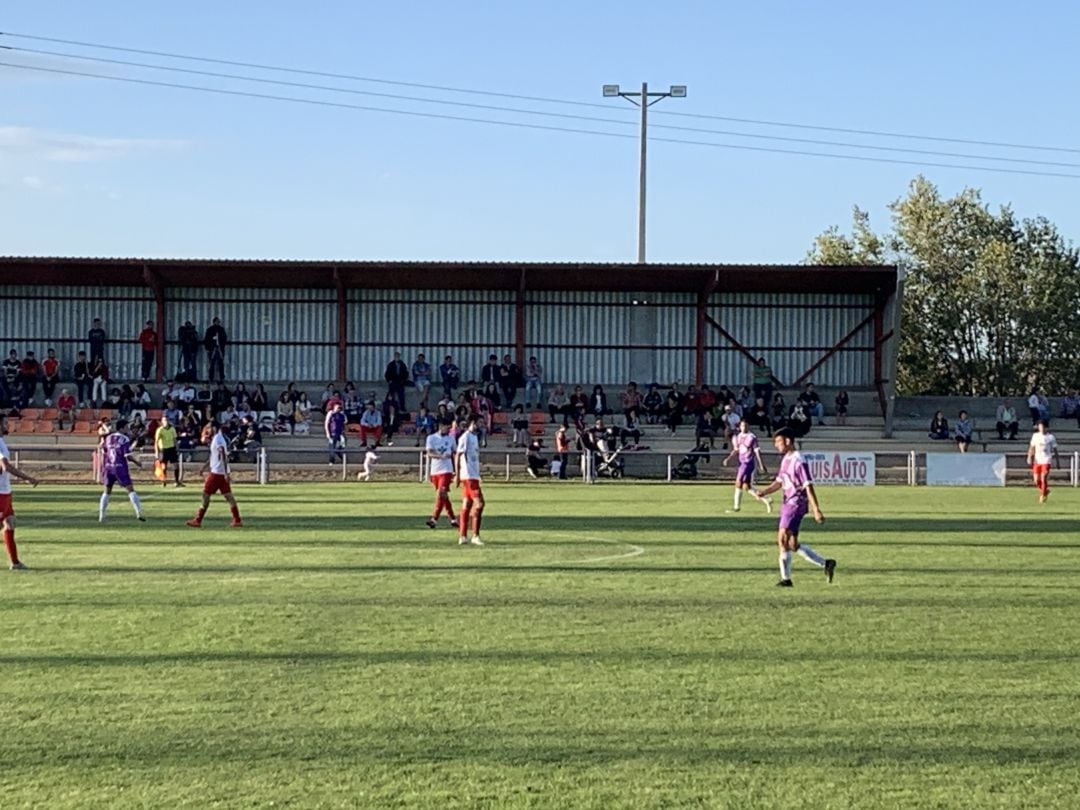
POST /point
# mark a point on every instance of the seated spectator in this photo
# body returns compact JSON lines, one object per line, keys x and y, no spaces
{"x":491,"y":393}
{"x":172,"y":412}
{"x":692,"y":401}
{"x":630,"y":432}
{"x":558,"y":404}
{"x":759,"y":417}
{"x":579,"y":404}
{"x":964,"y":429}
{"x":50,"y":370}
{"x":842,"y":401}
{"x":630,"y":399}
{"x":285,"y":409}
{"x":421,"y":375}
{"x":302,"y":414}
{"x":370,"y":425}
{"x":65,"y":409}
{"x":450,"y":375}
{"x":137,"y":431}
{"x":329,"y":393}
{"x":674,"y":407}
{"x":243,"y":411}
{"x":510,"y":380}
{"x":812,"y":403}
{"x":1038,"y":406}
{"x":706,"y":429}
{"x":126,"y":403}
{"x":939,"y":427}
{"x":744,"y":399}
{"x":142,"y":397}
{"x":707,"y":400}
{"x":799,"y":420}
{"x":195,"y":413}
{"x":778,"y":411}
{"x":29,"y":371}
{"x":653,"y":404}
{"x":259,"y":400}
{"x":483,"y":407}
{"x":187,"y":392}
{"x":729,"y":421}
{"x":220,"y":399}
{"x":1007,"y":421}
{"x":534,"y":457}
{"x":240,"y":395}
{"x":229,"y":415}
{"x":1070,"y":405}
{"x":250,"y":440}
{"x":519,"y":426}
{"x":425,"y":425}
{"x":187,"y":436}
{"x":598,"y":405}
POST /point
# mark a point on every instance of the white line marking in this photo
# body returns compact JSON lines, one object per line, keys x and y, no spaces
{"x":635,"y":551}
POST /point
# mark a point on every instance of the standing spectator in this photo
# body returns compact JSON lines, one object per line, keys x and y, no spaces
{"x":534,"y":382}
{"x":188,"y":338}
{"x":674,"y":406}
{"x":29,"y":370}
{"x":334,"y":426}
{"x":96,"y":338}
{"x":1007,"y":421}
{"x":215,"y":340}
{"x":50,"y":370}
{"x":285,"y":408}
{"x":65,"y":409}
{"x":148,"y":341}
{"x":421,"y":375}
{"x":812,"y":403}
{"x":425,"y":426}
{"x":509,"y":380}
{"x":964,"y":429}
{"x":83,"y":379}
{"x":939,"y":427}
{"x":450,"y":375}
{"x":562,"y":450}
{"x":99,"y":373}
{"x":371,"y":425}
{"x":558,"y":403}
{"x":391,"y":418}
{"x":397,"y":376}
{"x":762,"y":380}
{"x":11,"y":376}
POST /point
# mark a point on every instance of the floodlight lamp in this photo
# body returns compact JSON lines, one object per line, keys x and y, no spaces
{"x":611,"y":90}
{"x":678,"y":91}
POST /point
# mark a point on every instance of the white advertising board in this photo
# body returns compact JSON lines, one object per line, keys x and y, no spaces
{"x":839,"y":468}
{"x":965,"y":470}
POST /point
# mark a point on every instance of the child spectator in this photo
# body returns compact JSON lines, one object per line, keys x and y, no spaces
{"x":964,"y":429}
{"x":841,"y":407}
{"x":519,"y":424}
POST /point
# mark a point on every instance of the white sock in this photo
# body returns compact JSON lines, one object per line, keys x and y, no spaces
{"x":738,"y":497}
{"x":102,"y":506}
{"x":134,"y":498}
{"x":785,"y":565}
{"x":808,"y":553}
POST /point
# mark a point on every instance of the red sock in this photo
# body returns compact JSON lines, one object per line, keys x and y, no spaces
{"x":201,"y":513}
{"x":477,"y":514}
{"x":438,"y":507}
{"x":464,"y":520}
{"x":9,"y":544}
{"x":449,"y":508}
{"x":235,"y":511}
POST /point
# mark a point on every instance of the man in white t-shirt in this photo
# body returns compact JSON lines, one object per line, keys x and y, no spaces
{"x":1041,"y":454}
{"x":467,"y":470}
{"x":440,"y":452}
{"x":7,"y":513}
{"x":217,"y":479}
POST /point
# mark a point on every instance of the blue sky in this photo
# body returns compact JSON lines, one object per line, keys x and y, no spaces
{"x":90,"y":167}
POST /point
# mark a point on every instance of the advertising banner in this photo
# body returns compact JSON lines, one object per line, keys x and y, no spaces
{"x":841,"y":468}
{"x":965,"y":470}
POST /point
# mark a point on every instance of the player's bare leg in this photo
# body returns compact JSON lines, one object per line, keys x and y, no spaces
{"x":463,"y":521}
{"x":477,"y":516}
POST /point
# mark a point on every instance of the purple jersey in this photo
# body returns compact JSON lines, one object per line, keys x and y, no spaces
{"x":794,"y":475}
{"x":335,"y":424}
{"x":116,"y":447}
{"x":746,"y":444}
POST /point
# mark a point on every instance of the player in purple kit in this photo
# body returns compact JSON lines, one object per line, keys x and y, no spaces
{"x":116,"y":448}
{"x":799,"y":497}
{"x":745,"y":445}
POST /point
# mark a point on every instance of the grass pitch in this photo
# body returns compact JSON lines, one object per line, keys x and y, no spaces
{"x":621,"y":645}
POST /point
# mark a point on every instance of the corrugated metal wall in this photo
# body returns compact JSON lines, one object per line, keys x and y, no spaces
{"x":575,"y":335}
{"x":31,"y":321}
{"x":676,"y":337}
{"x":274,"y":334}
{"x":769,"y":324}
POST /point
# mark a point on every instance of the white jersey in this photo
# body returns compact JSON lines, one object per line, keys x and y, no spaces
{"x":468,"y":448}
{"x":441,"y":452}
{"x":219,"y":455}
{"x":5,"y":478}
{"x":1044,"y":445}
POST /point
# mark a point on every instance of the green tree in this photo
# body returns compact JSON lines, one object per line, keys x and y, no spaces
{"x":991,"y":303}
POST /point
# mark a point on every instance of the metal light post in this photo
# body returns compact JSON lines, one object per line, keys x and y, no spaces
{"x":644,"y":100}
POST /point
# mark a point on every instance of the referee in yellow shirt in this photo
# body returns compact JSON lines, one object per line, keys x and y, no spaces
{"x":165,"y":450}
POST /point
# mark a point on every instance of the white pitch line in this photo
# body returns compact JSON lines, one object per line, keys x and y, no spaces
{"x":635,"y":551}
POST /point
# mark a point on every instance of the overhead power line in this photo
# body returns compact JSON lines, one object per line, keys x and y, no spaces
{"x":539,"y":99}
{"x":519,"y":124}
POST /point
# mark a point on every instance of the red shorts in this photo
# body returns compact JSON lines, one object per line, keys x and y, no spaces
{"x":5,"y":506}
{"x":442,"y":480}
{"x":216,"y":482}
{"x":1040,"y":470}
{"x":470,"y":488}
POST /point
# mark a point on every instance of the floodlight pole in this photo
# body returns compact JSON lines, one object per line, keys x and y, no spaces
{"x":644,"y":100}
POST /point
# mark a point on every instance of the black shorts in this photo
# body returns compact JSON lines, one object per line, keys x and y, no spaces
{"x":170,"y":456}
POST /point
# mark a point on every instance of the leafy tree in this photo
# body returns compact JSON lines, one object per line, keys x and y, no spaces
{"x":991,"y":303}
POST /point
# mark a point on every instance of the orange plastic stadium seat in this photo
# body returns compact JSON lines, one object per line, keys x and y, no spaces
{"x":538,"y":418}
{"x":352,"y":427}
{"x":31,"y":413}
{"x":154,"y":413}
{"x":26,"y":425}
{"x":81,"y":427}
{"x":537,"y":429}
{"x":500,"y":418}
{"x":49,"y":413}
{"x":45,"y":426}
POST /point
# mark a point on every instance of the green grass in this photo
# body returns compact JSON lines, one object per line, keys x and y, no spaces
{"x":337,"y":653}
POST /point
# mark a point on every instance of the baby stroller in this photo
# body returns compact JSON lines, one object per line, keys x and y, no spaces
{"x":609,"y":462}
{"x":687,"y":469}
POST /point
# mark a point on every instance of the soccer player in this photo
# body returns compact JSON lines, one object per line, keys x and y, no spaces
{"x":745,"y":445}
{"x":165,"y":449}
{"x":1040,"y":455}
{"x":440,"y":453}
{"x":7,"y":514}
{"x":116,"y":448}
{"x":217,"y":477}
{"x":467,"y":471}
{"x":799,"y":497}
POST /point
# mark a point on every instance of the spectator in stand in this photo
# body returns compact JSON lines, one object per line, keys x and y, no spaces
{"x":240,"y":395}
{"x":674,"y":407}
{"x":285,"y":408}
{"x":229,"y":417}
{"x":215,"y":341}
{"x":519,"y":425}
{"x":99,"y":373}
{"x":126,"y":403}
{"x":630,"y":399}
{"x":729,"y":420}
{"x":96,"y":338}
{"x":371,"y":425}
{"x":630,"y":432}
{"x":654,"y":405}
{"x":692,"y":401}
{"x":812,"y":403}
{"x":562,"y":450}
{"x":707,"y":399}
{"x":579,"y":406}
{"x":259,"y":401}
{"x":482,"y":406}
{"x":724,"y":395}
{"x":195,"y":414}
{"x":421,"y":375}
{"x":65,"y":409}
{"x":244,"y":409}
{"x":558,"y":404}
{"x":171,"y":411}
{"x":509,"y":380}
{"x":142,"y":397}
{"x":707,"y":427}
{"x":939,"y":427}
{"x":12,"y":366}
{"x":50,"y":370}
{"x":353,"y":404}
{"x":762,"y":380}
{"x":302,"y":414}
{"x":964,"y":428}
{"x":329,"y":394}
{"x":1070,"y":406}
{"x":534,"y":458}
{"x":598,"y":402}
{"x":397,"y":377}
{"x":450,"y":375}
{"x":29,"y":371}
{"x":391,"y":418}
{"x":334,"y":427}
{"x":759,"y":416}
{"x":842,"y":401}
{"x":1038,"y":406}
{"x":491,"y":393}
{"x":188,"y":338}
{"x":249,"y":440}
{"x":185,"y":392}
{"x":799,"y":420}
{"x":83,"y":381}
{"x":220,"y":399}
{"x":490,"y":372}
{"x":425,"y":426}
{"x":778,"y":411}
{"x":534,"y":382}
{"x":148,"y":341}
{"x":137,"y":430}
{"x":1007,"y":421}
{"x":744,"y":399}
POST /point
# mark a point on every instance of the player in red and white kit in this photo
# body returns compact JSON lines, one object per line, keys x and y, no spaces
{"x":467,"y":469}
{"x":441,"y":447}
{"x":7,"y":513}
{"x":1040,"y":455}
{"x":217,"y":480}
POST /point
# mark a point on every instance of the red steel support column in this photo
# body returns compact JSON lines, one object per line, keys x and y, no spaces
{"x":160,"y":326}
